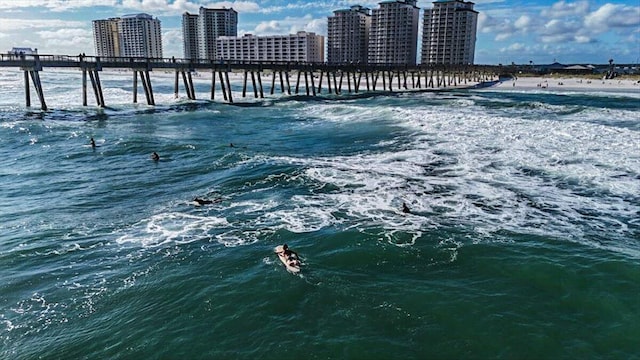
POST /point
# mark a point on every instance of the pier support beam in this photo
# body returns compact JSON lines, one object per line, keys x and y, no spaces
{"x":253,"y":82}
{"x":37,"y":85}
{"x":244,"y":84}
{"x":146,"y":85}
{"x":27,"y":91}
{"x":273,"y":82}
{"x":260,"y":85}
{"x":222,"y":86}
{"x":99,"y":86}
{"x":298,"y":83}
{"x":226,"y":76}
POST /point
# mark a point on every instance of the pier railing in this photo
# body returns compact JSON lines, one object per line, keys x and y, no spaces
{"x":393,"y":77}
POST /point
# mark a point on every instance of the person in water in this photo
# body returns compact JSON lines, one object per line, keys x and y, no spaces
{"x":93,"y":143}
{"x":155,"y":156}
{"x":290,"y":255}
{"x":405,"y":208}
{"x":200,"y":201}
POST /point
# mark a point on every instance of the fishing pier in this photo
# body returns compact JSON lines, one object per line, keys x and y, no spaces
{"x":309,"y":78}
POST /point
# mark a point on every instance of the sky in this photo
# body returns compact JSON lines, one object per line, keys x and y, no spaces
{"x":520,"y":32}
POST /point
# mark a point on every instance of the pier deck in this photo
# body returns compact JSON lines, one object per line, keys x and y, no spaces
{"x":356,"y":77}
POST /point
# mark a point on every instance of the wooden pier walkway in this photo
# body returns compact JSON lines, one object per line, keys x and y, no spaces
{"x":351,"y":78}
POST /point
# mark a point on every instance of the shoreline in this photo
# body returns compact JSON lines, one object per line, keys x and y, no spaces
{"x":569,"y":83}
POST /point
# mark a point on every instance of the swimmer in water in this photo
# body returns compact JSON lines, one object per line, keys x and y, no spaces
{"x":93,"y":143}
{"x":405,"y":208}
{"x":155,"y":156}
{"x":201,"y":202}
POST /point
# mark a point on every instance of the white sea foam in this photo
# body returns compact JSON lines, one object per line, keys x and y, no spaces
{"x":170,"y":228}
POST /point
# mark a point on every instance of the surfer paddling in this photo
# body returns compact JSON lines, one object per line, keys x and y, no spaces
{"x":289,"y":258}
{"x":199,"y":202}
{"x":155,"y":156}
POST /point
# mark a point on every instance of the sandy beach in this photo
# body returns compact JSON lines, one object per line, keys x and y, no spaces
{"x":571,"y":84}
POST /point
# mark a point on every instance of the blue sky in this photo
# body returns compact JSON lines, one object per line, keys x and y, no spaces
{"x":537,"y":31}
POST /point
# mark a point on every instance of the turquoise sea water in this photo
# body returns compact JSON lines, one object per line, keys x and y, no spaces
{"x":523,"y":242}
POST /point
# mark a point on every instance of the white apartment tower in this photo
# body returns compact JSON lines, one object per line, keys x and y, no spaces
{"x":304,"y":47}
{"x":140,"y":36}
{"x":449,"y":33}
{"x":201,"y":31}
{"x":348,"y":35}
{"x":393,"y":38}
{"x":136,"y":35}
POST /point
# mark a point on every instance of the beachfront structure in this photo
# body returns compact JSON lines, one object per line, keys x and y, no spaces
{"x":190,"y":35}
{"x":201,"y":31}
{"x":140,"y":36}
{"x":393,"y":38}
{"x":449,"y":33}
{"x":348,"y":35}
{"x":22,"y":51}
{"x":137,"y":35}
{"x":105,"y":37}
{"x":303,"y":47}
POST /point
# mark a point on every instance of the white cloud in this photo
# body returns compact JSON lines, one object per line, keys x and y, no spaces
{"x":563,"y":9}
{"x":610,"y":16}
{"x":515,"y":47}
{"x":502,"y":37}
{"x":582,"y":39}
{"x":8,"y":24}
{"x":291,"y":25}
{"x":172,"y":43}
{"x":269,"y":28}
{"x":523,"y":22}
{"x":178,"y":7}
{"x":55,"y":5}
{"x":66,"y":37}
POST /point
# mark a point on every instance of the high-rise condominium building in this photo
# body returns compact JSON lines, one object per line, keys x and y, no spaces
{"x":105,"y":37}
{"x":190,"y":35}
{"x":348,"y":35}
{"x":306,"y":47}
{"x":201,"y":31}
{"x":449,"y":33}
{"x":140,"y":36}
{"x":394,"y":33}
{"x":136,"y":35}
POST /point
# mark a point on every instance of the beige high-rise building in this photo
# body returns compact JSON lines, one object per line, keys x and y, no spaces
{"x":137,"y":35}
{"x":304,"y":47}
{"x":348,"y":35}
{"x":393,"y":38}
{"x":105,"y":37}
{"x":449,"y":33}
{"x":201,"y":31}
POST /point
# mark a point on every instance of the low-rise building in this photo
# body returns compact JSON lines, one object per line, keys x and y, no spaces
{"x":23,"y":51}
{"x":305,"y":47}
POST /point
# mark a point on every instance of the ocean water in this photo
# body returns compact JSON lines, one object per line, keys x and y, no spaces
{"x":523,"y":241}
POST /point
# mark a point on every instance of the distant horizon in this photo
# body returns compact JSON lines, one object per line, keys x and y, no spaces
{"x":540,"y":31}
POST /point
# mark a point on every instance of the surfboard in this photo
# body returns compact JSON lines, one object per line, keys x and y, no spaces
{"x":291,"y":266}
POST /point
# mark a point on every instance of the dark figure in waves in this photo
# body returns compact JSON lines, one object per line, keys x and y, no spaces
{"x":93,"y":143}
{"x":199,"y":202}
{"x":155,"y":156}
{"x":405,"y":208}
